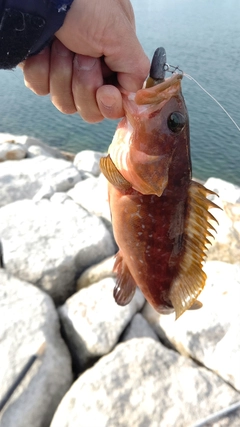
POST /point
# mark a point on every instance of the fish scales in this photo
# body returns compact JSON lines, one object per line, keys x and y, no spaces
{"x":159,"y":214}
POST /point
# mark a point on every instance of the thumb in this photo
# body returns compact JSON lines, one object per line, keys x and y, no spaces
{"x":131,"y":65}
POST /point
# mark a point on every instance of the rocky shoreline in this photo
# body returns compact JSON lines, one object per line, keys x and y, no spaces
{"x":104,"y":365}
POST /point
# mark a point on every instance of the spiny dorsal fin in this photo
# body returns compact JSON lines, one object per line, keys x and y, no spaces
{"x":112,"y":174}
{"x":125,"y":286}
{"x":191,"y":279}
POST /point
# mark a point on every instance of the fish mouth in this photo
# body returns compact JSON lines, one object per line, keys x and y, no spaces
{"x":160,"y":92}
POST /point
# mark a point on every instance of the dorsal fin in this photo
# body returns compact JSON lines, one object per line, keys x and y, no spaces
{"x":112,"y":174}
{"x":190,"y":280}
{"x":125,"y":285}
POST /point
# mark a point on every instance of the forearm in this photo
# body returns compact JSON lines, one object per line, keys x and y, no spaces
{"x":27,"y":26}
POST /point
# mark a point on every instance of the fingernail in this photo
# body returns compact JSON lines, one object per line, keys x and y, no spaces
{"x":85,"y":62}
{"x":108,"y":101}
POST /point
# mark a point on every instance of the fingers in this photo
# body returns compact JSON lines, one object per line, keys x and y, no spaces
{"x":109,"y":101}
{"x":93,"y":99}
{"x":61,"y":68}
{"x":87,"y":78}
{"x":36,"y":72}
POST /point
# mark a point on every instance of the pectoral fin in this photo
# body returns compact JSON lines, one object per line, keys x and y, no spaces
{"x":125,"y":286}
{"x":190,"y":279}
{"x":112,"y":174}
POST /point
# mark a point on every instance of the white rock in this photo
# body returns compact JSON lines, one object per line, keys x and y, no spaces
{"x":226,"y":245}
{"x":142,"y":383}
{"x":8,"y":137}
{"x":96,"y":272}
{"x":28,"y":318}
{"x":227,"y":191}
{"x":92,"y":194}
{"x":29,"y":141}
{"x":59,"y":197}
{"x":10,"y":151}
{"x":50,"y":244}
{"x":93,"y":322}
{"x":23,"y":179}
{"x":35,"y":150}
{"x":211,"y":334}
{"x":88,"y":161}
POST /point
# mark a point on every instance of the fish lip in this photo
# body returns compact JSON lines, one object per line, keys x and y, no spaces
{"x":158,"y":93}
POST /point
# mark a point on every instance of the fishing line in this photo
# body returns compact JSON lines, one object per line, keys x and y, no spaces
{"x":214,"y":99}
{"x":172,"y":69}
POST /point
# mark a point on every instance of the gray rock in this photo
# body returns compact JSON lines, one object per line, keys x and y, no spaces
{"x":143,"y":384}
{"x":92,"y":195}
{"x":93,"y":322}
{"x":10,"y":151}
{"x":210,"y":335}
{"x":28,"y":318}
{"x":50,"y":244}
{"x":96,"y":272}
{"x":88,"y":161}
{"x":138,"y":328}
{"x":24,"y":179}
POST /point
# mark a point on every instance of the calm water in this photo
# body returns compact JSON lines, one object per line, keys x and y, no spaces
{"x":203,"y":38}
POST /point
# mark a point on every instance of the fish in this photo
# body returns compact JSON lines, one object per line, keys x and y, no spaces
{"x":160,"y":216}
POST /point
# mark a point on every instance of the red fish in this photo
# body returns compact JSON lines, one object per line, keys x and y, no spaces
{"x":160,"y":216}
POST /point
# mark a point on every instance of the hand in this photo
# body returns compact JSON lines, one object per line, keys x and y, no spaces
{"x":95,"y":51}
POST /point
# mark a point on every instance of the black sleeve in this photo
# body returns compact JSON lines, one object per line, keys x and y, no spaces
{"x":26,"y":26}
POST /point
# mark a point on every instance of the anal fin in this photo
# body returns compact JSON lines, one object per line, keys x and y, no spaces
{"x":190,"y":278}
{"x":125,"y":285}
{"x":112,"y":174}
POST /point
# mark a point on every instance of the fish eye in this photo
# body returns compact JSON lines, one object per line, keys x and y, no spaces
{"x":176,"y":121}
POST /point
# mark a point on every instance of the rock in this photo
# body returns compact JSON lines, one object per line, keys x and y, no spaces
{"x":141,"y":383}
{"x":228,"y":192}
{"x":50,"y":244}
{"x":225,"y":420}
{"x":88,"y":161}
{"x":24,"y":179}
{"x":29,"y":141}
{"x":92,"y":194}
{"x":209,"y":335}
{"x":96,"y":272}
{"x":226,"y":245}
{"x":28,"y":318}
{"x":35,"y":150}
{"x":60,"y":197}
{"x":92,"y":321}
{"x":138,"y":328}
{"x":9,"y":151}
{"x":13,"y":139}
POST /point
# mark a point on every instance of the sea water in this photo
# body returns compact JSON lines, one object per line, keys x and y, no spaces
{"x":201,"y":37}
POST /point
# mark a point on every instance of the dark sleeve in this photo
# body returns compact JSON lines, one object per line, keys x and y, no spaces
{"x":27,"y":26}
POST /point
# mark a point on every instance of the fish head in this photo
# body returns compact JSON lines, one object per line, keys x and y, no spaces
{"x":145,"y":142}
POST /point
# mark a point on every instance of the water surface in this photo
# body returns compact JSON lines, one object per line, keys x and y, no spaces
{"x":203,"y":38}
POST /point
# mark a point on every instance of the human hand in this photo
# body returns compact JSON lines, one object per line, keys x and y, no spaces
{"x":95,"y":51}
